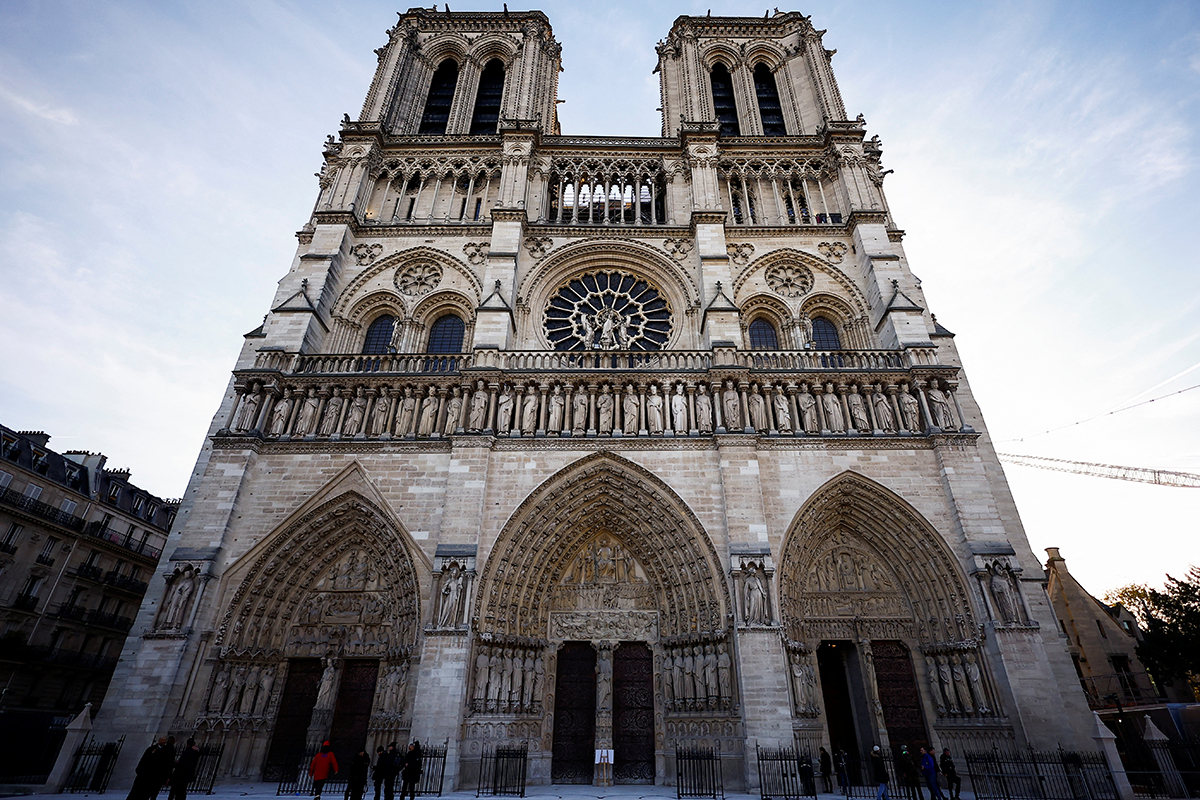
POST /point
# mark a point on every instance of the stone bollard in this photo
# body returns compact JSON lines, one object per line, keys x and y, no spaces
{"x":77,"y":732}
{"x":1107,"y":740}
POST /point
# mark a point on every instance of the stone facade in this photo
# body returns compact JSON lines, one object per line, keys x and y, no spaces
{"x":592,"y":443}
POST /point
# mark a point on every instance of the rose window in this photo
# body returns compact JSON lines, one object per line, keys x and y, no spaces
{"x":608,"y":310}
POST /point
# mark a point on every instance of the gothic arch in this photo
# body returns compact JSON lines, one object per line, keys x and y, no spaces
{"x":591,"y":254}
{"x":853,"y":297}
{"x":713,"y":51}
{"x":602,"y":492}
{"x":861,"y":513}
{"x":764,"y":52}
{"x":351,"y":293}
{"x":438,"y":304}
{"x":493,"y":45}
{"x":774,"y":311}
{"x":445,"y":45}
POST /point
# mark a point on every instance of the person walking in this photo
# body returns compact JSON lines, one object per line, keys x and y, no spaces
{"x":843,"y":775}
{"x":323,"y":767}
{"x":953,"y":782}
{"x":360,"y":765}
{"x":881,"y":774}
{"x":185,"y":771}
{"x":149,"y":776}
{"x":379,"y":770}
{"x":410,"y":773}
{"x":929,"y":771}
{"x":826,"y":762}
{"x":910,"y":778}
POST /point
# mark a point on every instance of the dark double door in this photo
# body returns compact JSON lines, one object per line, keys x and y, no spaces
{"x":574,"y":750}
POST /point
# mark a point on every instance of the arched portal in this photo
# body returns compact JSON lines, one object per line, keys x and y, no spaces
{"x":602,"y":558}
{"x":317,"y":639}
{"x":882,"y":642}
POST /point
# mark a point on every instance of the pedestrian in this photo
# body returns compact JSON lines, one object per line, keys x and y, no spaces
{"x":166,"y":763}
{"x":826,"y":769}
{"x":379,"y":770}
{"x":148,"y":773}
{"x":929,"y":770}
{"x":411,"y":771}
{"x":910,"y":779}
{"x":391,"y":760}
{"x":953,"y":782}
{"x":843,"y":776}
{"x":323,"y":767}
{"x":881,"y":775}
{"x":360,"y":765}
{"x":185,"y":771}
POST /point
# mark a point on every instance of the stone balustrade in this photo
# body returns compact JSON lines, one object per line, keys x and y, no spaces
{"x":667,"y":394}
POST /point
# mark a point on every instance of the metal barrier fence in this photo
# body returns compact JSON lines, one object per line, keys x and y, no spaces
{"x":1034,"y":775}
{"x":698,"y":773}
{"x":785,"y":773}
{"x":433,"y":766}
{"x":502,"y":771}
{"x":94,"y":763}
{"x":206,"y":768}
{"x":295,"y":779}
{"x":1163,"y":768}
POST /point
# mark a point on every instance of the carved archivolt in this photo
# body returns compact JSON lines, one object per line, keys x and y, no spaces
{"x":418,"y":277}
{"x":602,"y":498}
{"x":417,"y":255}
{"x":857,"y":553}
{"x":776,"y":263}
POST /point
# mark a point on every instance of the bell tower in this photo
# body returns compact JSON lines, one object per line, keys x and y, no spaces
{"x":450,"y":73}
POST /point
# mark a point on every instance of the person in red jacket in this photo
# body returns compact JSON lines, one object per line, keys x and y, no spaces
{"x":323,"y":767}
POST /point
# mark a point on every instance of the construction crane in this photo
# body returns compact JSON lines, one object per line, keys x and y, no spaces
{"x":1161,"y":477}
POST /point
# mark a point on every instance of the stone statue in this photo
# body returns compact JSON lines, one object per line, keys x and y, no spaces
{"x":883,"y":411}
{"x":539,"y":675}
{"x":247,"y":705}
{"x":481,"y":676}
{"x":629,"y":411}
{"x":479,"y":407}
{"x":931,"y":672}
{"x":236,"y":684}
{"x":408,"y":413}
{"x":451,"y":592}
{"x":713,"y":689}
{"x":529,"y":412}
{"x":506,"y":676}
{"x":495,"y":678}
{"x":527,"y":684}
{"x":689,"y":671}
{"x":280,"y":414}
{"x":677,"y":678}
{"x":356,"y":414}
{"x":947,"y":681}
{"x":579,"y":406}
{"x":182,"y":586}
{"x":679,"y":410}
{"x":783,"y":415}
{"x":756,"y":597}
{"x":801,"y":678}
{"x":833,"y":410}
{"x":504,"y":410}
{"x":808,"y":411}
{"x":858,"y":410}
{"x":758,"y":410}
{"x":724,"y":673}
{"x":960,"y":681}
{"x":604,"y":666}
{"x":1002,"y":588}
{"x":265,"y":685}
{"x":518,"y":679}
{"x":248,"y":410}
{"x":308,"y":414}
{"x":325,"y":688}
{"x":654,"y":412}
{"x":557,"y":406}
{"x":604,"y":409}
{"x":453,"y":411}
{"x":668,"y":680}
{"x":976,"y":680}
{"x":379,"y":415}
{"x":939,"y":407}
{"x":333,"y":411}
{"x":910,"y":408}
{"x":429,"y":409}
{"x":216,"y":701}
{"x":731,"y":407}
{"x":704,"y":418}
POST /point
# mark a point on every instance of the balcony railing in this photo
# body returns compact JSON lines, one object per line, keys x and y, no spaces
{"x":25,"y":602}
{"x":36,"y":507}
{"x":69,"y":611}
{"x":8,"y":547}
{"x":115,"y":578}
{"x":98,"y":529}
{"x":110,"y":620}
{"x":89,"y":571}
{"x":41,"y":654}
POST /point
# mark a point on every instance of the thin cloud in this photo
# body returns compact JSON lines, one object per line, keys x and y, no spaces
{"x":63,"y":116}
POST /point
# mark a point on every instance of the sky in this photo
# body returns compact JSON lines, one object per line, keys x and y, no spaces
{"x":157,"y":158}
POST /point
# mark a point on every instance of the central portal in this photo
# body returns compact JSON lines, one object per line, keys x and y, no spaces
{"x":633,"y":714}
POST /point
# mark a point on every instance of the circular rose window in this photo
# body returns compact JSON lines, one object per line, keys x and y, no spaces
{"x":608,"y":310}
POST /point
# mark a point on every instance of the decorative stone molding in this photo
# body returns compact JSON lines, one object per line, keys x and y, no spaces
{"x":678,"y":248}
{"x":365,"y":254}
{"x":740,"y":253}
{"x":418,"y":278}
{"x":476,"y":252}
{"x":834,"y":252}
{"x":538,"y":246}
{"x":789,"y":279}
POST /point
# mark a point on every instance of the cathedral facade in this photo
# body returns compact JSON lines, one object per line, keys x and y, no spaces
{"x":598,"y":443}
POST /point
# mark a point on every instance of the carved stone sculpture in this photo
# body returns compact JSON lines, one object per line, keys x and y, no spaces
{"x":504,"y":411}
{"x":333,"y":411}
{"x":654,"y":412}
{"x":679,"y":414}
{"x":379,"y":415}
{"x":758,"y":410}
{"x":704,"y":416}
{"x":939,"y":407}
{"x":756,"y":597}
{"x":453,"y":412}
{"x":325,"y":688}
{"x":479,"y":407}
{"x":356,"y":414}
{"x":249,"y":409}
{"x":808,"y":411}
{"x":579,"y":411}
{"x":529,"y":412}
{"x":408,"y":413}
{"x":731,"y":407}
{"x":452,"y":586}
{"x":220,"y":690}
{"x":308,"y":414}
{"x":783,"y":414}
{"x":883,"y":411}
{"x":629,"y":411}
{"x":858,"y":410}
{"x":910,"y":408}
{"x":833,"y":410}
{"x":280,"y":414}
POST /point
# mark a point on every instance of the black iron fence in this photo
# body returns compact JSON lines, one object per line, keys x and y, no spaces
{"x":294,"y":777}
{"x":698,"y":773}
{"x":94,"y":763}
{"x":785,"y":773}
{"x":502,"y":771}
{"x":206,"y":768}
{"x":433,"y":770}
{"x":1035,"y":775}
{"x":1163,"y":768}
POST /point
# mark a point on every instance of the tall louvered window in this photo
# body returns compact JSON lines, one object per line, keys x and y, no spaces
{"x":487,"y":101}
{"x":441,"y":95}
{"x":723,"y":104}
{"x":768,"y":102}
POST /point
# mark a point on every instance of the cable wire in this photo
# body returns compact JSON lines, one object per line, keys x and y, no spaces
{"x":1099,"y":416}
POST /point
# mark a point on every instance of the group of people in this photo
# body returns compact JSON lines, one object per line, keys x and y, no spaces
{"x":389,"y":764}
{"x":909,"y":772}
{"x":159,"y":768}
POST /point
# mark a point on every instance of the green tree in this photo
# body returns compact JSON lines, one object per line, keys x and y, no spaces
{"x":1170,"y":646}
{"x":1133,"y":596}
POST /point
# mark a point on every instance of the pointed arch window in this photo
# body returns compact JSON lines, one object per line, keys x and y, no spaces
{"x":446,"y":335}
{"x":441,"y":95}
{"x":825,"y":335}
{"x":768,"y":102}
{"x":763,"y":335}
{"x":723,"y":103}
{"x":379,"y":336}
{"x":487,"y":101}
